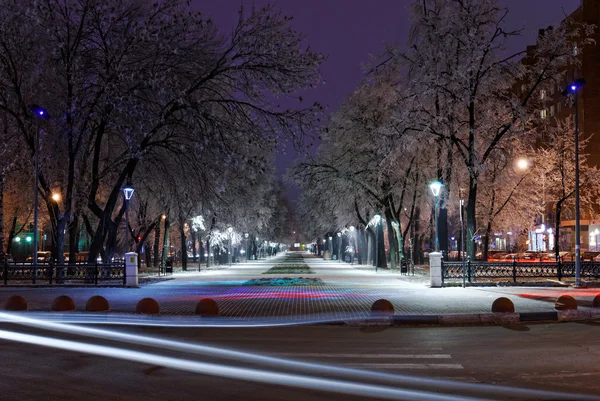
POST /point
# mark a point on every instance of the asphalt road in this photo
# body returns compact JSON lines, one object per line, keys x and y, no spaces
{"x":557,"y":357}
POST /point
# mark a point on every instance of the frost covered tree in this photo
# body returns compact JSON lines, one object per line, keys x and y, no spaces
{"x":369,"y":163}
{"x":126,"y":79}
{"x":557,"y":170}
{"x":464,"y":84}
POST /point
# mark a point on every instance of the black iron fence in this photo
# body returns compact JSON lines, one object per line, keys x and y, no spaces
{"x":52,"y":273}
{"x":513,"y":270}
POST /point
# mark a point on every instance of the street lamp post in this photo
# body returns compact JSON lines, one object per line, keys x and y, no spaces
{"x":574,"y":89}
{"x":38,"y":113}
{"x":377,"y":220}
{"x":436,"y":187}
{"x":246,"y":245}
{"x":127,"y":194}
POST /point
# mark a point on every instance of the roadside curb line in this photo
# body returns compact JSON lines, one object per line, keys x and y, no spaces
{"x":478,"y":318}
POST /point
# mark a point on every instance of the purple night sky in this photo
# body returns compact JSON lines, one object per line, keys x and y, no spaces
{"x":348,"y":31}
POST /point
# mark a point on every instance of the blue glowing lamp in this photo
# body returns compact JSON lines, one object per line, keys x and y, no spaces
{"x":128,"y":192}
{"x":38,"y":111}
{"x":572,"y":88}
{"x":436,"y":187}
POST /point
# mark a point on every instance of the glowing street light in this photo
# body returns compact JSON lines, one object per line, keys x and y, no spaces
{"x":522,"y":164}
{"x":436,"y":188}
{"x":56,"y":197}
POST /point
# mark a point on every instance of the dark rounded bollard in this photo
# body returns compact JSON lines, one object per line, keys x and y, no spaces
{"x":147,"y":306}
{"x":503,"y":305}
{"x":97,"y":303}
{"x":565,"y":302}
{"x":596,"y":301}
{"x":63,"y":303}
{"x":382,"y":307}
{"x":15,"y":303}
{"x":207,"y":307}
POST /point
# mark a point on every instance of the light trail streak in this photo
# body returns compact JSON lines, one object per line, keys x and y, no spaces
{"x":312,"y":368}
{"x":253,"y":375}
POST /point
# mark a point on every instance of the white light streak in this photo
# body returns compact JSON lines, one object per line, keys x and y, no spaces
{"x":279,"y":363}
{"x":236,"y":373}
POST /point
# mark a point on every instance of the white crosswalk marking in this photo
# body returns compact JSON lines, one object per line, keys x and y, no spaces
{"x":387,"y":360}
{"x":406,"y":365}
{"x":381,"y":356}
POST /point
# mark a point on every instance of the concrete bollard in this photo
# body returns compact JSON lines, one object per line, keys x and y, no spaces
{"x":147,"y":306}
{"x":503,"y":305}
{"x":565,"y":302}
{"x":435,"y":269}
{"x":15,"y":303}
{"x":596,"y":301}
{"x":382,"y":307}
{"x":63,"y":303}
{"x":97,"y":303}
{"x":207,"y":307}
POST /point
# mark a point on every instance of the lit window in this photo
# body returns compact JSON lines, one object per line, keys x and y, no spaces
{"x":558,"y":107}
{"x":542,"y":94}
{"x":523,"y":88}
{"x":552,"y":111}
{"x":543,"y":114}
{"x":575,"y":50}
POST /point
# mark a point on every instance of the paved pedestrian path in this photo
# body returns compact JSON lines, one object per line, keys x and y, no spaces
{"x":346,"y":293}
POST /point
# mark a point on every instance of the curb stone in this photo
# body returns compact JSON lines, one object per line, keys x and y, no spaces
{"x":477,"y":318}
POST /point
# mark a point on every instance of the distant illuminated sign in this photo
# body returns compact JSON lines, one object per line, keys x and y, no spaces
{"x":297,"y":245}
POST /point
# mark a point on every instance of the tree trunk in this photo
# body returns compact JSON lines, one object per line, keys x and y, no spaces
{"x":471,"y":224}
{"x":194,"y":253}
{"x":183,"y":244}
{"x":11,"y":235}
{"x":147,"y":254}
{"x":111,"y":243}
{"x":443,"y":229}
{"x":370,"y":246}
{"x":380,"y":247}
{"x":208,"y":252}
{"x":2,"y":243}
{"x":486,"y":241}
{"x":60,"y":240}
{"x":73,"y":239}
{"x":391,"y":238}
{"x":417,"y":248}
{"x":165,"y":251}
{"x":557,"y":229}
{"x":156,"y":245}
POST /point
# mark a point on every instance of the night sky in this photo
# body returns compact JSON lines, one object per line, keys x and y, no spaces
{"x":349,"y":31}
